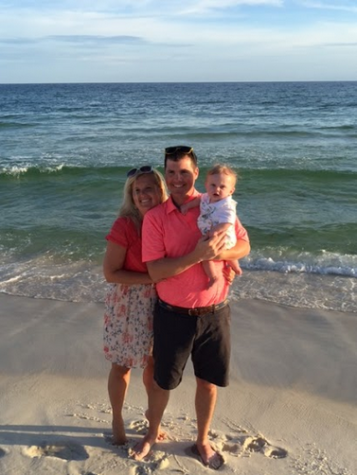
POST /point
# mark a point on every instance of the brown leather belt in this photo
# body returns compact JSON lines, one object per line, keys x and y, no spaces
{"x":194,"y":311}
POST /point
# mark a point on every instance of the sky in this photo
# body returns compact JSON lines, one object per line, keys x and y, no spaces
{"x":177,"y":40}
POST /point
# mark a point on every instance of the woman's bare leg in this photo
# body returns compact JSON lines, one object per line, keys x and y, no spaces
{"x":118,"y":382}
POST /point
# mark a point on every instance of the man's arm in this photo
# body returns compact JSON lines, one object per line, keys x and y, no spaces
{"x":242,"y":246}
{"x":238,"y":251}
{"x":206,"y":249}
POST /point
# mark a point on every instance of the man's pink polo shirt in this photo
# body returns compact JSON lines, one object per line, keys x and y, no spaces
{"x":168,"y":233}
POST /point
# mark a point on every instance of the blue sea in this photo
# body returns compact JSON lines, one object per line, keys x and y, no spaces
{"x":65,"y":150}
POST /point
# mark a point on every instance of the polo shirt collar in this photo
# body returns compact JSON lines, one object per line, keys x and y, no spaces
{"x":170,"y":205}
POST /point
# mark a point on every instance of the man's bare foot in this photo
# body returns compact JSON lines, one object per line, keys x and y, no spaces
{"x":143,"y":448}
{"x":208,"y":456}
{"x":162,"y":434}
{"x":119,"y":437}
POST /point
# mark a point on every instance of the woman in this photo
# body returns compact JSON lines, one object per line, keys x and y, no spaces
{"x":131,"y":296}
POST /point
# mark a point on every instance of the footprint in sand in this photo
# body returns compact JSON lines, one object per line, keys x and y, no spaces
{"x":2,"y":453}
{"x":259,"y":444}
{"x":61,"y":450}
{"x":148,"y":469}
{"x":155,"y":461}
{"x":249,"y":444}
{"x":140,"y":426}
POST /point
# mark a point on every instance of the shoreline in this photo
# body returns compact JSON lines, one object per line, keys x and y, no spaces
{"x":291,"y":406}
{"x":298,"y":290}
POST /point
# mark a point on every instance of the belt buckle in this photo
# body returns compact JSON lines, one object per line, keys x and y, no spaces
{"x":194,"y":312}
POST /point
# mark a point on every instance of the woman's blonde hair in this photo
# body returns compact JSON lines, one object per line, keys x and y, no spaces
{"x":128,"y":209}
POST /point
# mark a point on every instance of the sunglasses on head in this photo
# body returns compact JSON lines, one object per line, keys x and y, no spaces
{"x":178,"y":149}
{"x":177,"y":152}
{"x":136,"y":171}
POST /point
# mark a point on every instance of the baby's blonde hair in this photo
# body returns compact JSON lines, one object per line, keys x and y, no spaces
{"x":224,"y":169}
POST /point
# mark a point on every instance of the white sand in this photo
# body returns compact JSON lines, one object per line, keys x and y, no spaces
{"x":291,"y":407}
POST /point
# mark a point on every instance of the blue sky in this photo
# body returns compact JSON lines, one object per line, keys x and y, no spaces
{"x":177,"y":40}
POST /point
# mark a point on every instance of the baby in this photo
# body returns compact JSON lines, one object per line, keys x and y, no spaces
{"x":217,"y":212}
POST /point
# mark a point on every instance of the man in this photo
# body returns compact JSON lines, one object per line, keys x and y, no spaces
{"x":190,"y":317}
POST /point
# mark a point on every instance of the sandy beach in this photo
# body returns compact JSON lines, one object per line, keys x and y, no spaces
{"x":291,"y":407}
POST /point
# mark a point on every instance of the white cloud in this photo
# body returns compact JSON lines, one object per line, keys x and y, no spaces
{"x":218,"y":36}
{"x":341,"y":5}
{"x":105,"y":28}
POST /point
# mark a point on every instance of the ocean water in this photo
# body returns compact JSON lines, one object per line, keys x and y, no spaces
{"x":65,"y":150}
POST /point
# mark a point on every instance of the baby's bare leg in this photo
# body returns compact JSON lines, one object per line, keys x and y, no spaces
{"x":235,"y":266}
{"x":210,"y":271}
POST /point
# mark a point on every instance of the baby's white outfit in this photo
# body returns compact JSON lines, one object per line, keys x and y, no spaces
{"x":211,"y":214}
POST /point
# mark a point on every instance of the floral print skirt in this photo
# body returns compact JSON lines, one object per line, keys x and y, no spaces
{"x":128,"y":324}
